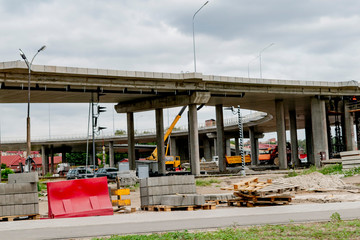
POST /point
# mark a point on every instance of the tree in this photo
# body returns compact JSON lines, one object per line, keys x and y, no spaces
{"x":120,"y":132}
{"x":76,"y":158}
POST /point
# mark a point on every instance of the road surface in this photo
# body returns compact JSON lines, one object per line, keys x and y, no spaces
{"x":147,"y":222}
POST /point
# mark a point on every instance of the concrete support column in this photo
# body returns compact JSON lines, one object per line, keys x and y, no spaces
{"x":194,"y":140}
{"x":309,"y":139}
{"x":63,"y":156}
{"x":160,"y":140}
{"x":214,"y":151}
{"x":237,"y":149}
{"x":220,"y":144}
{"x":357,"y":122}
{"x":131,"y":140}
{"x":207,"y":149}
{"x":43,"y":160}
{"x":281,"y":133}
{"x":349,"y":129}
{"x":293,"y":138}
{"x":228,"y":148}
{"x":52,"y":159}
{"x":254,"y":143}
{"x":173,"y":147}
{"x":111,"y":154}
{"x":319,"y":133}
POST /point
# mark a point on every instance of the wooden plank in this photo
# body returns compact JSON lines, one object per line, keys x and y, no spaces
{"x":164,"y":208}
{"x":355,"y":162}
{"x":20,"y":217}
{"x":349,"y":153}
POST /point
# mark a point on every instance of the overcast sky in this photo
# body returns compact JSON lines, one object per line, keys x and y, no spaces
{"x":313,"y":40}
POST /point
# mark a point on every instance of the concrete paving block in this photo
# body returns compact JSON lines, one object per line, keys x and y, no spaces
{"x":199,"y":200}
{"x":171,"y":200}
{"x":153,"y":181}
{"x":188,"y":200}
{"x":144,"y":201}
{"x":155,"y":200}
{"x":2,"y":188}
{"x":164,"y":181}
{"x":31,"y":177}
{"x":9,"y":210}
{"x":19,"y":198}
{"x":31,"y":187}
{"x":144,"y":182}
{"x":9,"y":199}
{"x":35,"y":198}
{"x":19,"y":209}
{"x":9,"y":188}
{"x":2,"y":200}
{"x":36,"y":208}
{"x":1,"y":211}
{"x":144,"y":192}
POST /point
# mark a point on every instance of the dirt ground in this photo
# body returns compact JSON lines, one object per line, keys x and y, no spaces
{"x":314,"y":188}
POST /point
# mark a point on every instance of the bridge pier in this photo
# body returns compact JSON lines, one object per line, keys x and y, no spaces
{"x":160,"y":140}
{"x":254,"y":144}
{"x":293,"y":138}
{"x":111,"y":154}
{"x":281,"y":133}
{"x":131,"y":140}
{"x":220,"y":145}
{"x":194,"y":140}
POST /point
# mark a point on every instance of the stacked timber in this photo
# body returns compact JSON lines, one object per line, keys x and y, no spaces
{"x":350,"y":159}
{"x":251,"y":191}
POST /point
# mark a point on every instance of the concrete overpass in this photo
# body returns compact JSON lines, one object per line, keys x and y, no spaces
{"x":292,"y":104}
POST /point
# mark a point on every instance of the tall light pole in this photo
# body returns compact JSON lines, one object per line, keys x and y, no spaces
{"x":194,"y":32}
{"x":260,"y":57}
{"x":28,"y":142}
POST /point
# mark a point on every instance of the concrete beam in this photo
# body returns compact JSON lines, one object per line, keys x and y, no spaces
{"x":164,"y":102}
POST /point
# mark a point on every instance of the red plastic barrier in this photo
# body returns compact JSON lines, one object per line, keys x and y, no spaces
{"x":79,"y":198}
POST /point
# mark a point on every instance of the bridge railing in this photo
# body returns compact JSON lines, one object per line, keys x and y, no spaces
{"x":142,"y":132}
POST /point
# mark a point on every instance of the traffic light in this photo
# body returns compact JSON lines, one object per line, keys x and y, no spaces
{"x":101,"y":109}
{"x":101,"y":128}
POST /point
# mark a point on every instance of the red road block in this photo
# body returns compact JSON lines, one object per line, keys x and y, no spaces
{"x":79,"y":198}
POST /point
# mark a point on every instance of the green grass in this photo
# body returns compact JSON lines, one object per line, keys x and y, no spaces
{"x":328,"y":170}
{"x":334,"y":229}
{"x":206,"y":182}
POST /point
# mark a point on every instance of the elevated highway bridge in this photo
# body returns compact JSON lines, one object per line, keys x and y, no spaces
{"x":291,"y":104}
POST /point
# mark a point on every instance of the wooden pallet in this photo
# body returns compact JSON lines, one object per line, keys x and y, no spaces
{"x":217,"y":202}
{"x":163,"y":208}
{"x":20,"y":217}
{"x":276,"y":188}
{"x":251,"y":201}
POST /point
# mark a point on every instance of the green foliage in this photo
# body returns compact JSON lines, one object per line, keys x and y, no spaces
{"x":329,"y":230}
{"x":335,"y":217}
{"x":120,"y":132}
{"x":328,"y":170}
{"x":41,"y":186}
{"x":206,"y":182}
{"x":48,"y":174}
{"x":76,"y":158}
{"x":6,"y":172}
{"x":302,"y":144}
{"x":3,"y":166}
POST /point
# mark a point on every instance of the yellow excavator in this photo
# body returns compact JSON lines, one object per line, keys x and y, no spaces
{"x":171,"y":162}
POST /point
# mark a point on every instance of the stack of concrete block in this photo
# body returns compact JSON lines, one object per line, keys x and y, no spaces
{"x":350,"y":159}
{"x":20,"y":195}
{"x":127,"y":178}
{"x":219,"y":197}
{"x":170,"y":191}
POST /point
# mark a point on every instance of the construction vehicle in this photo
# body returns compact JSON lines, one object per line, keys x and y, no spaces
{"x":237,"y":160}
{"x":171,"y":162}
{"x":265,"y":156}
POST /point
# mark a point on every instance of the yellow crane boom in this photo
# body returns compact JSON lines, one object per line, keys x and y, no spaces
{"x":153,"y":155}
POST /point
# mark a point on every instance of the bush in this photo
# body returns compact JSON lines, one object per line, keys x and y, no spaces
{"x":6,"y":172}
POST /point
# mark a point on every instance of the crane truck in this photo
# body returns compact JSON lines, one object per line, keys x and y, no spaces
{"x":171,"y":162}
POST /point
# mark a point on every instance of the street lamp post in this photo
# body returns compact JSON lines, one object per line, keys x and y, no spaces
{"x":260,"y":57}
{"x":249,"y":65}
{"x":194,"y":32}
{"x":29,"y":64}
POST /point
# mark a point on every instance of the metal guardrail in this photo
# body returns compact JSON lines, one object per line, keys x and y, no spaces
{"x":146,"y":132}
